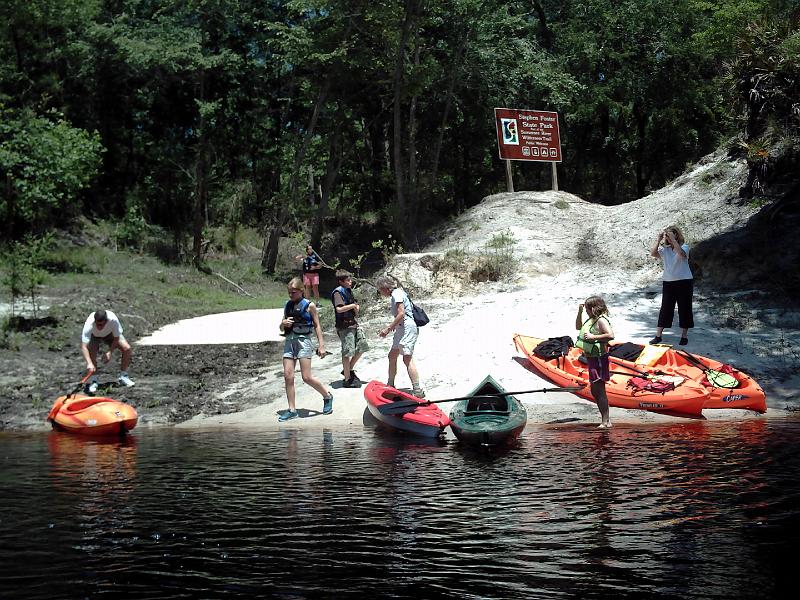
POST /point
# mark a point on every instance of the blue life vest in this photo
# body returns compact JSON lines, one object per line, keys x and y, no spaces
{"x":348,"y":318}
{"x":303,"y":321}
{"x":311,"y":260}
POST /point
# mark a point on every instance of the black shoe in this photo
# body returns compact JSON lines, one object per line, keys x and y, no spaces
{"x":354,"y":381}
{"x":655,"y":340}
{"x":352,"y":373}
{"x":683,"y":341}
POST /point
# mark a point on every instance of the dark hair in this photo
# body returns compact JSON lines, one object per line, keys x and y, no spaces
{"x":341,"y":275}
{"x":100,"y":315}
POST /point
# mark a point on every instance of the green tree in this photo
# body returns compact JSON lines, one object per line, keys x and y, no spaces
{"x":44,"y":163}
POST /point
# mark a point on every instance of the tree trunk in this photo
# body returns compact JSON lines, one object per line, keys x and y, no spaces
{"x":641,"y":131}
{"x":544,"y":30}
{"x":270,"y":256}
{"x":413,"y":188}
{"x":332,"y":168}
{"x":11,"y":208}
{"x":448,"y":102}
{"x":399,"y":92}
{"x":201,"y":190}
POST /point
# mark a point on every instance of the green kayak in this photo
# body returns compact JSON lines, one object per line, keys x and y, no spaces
{"x":489,"y":417}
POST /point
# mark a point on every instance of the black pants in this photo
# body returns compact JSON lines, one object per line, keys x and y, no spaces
{"x":680,"y":293}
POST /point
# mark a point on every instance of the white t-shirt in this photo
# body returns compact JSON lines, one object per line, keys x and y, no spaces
{"x":399,"y":295}
{"x":112,"y":326}
{"x":676,"y":268}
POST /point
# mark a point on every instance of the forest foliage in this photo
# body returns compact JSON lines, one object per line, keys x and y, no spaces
{"x":370,"y":115}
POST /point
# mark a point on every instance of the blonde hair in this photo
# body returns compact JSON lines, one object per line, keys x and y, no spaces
{"x":676,"y":231}
{"x":296,"y":284}
{"x":595,"y":306}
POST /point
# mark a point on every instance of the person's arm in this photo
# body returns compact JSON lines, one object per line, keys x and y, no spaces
{"x":606,"y":332}
{"x":579,"y":318}
{"x":676,"y":247}
{"x":312,"y":308}
{"x":654,"y":248}
{"x":286,"y":322}
{"x":401,"y":313}
{"x":342,"y":307}
{"x":85,"y":352}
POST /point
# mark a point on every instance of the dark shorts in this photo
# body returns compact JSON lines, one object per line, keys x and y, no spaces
{"x":94,"y":342}
{"x":598,"y":368}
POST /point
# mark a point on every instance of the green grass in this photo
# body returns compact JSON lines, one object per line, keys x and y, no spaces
{"x":81,"y":279}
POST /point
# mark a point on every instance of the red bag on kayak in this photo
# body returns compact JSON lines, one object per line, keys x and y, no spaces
{"x":657,"y":386}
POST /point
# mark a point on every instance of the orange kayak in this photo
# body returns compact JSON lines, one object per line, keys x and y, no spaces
{"x":426,"y":419}
{"x":686,"y":400}
{"x":92,"y":415}
{"x":745,"y":393}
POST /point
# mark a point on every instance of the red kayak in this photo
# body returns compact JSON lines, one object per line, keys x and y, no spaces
{"x":424,"y":419}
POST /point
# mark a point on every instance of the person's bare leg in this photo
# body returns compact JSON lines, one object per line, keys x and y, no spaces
{"x":288,"y":381}
{"x":127,"y":353}
{"x":599,"y":394}
{"x":308,"y":378}
{"x":354,"y":360}
{"x":393,"y":354}
{"x":411,"y":367}
{"x":346,"y":366}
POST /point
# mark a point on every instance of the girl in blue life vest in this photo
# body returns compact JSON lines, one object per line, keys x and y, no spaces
{"x":299,"y":320}
{"x":594,"y":334}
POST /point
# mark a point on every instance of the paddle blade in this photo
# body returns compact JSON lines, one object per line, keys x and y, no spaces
{"x":400,"y":407}
{"x":721,"y":380}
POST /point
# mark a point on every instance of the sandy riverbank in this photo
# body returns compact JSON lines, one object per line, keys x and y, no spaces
{"x":472,"y":336}
{"x":565,"y":249}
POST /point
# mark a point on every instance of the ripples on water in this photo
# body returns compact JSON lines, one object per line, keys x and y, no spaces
{"x":685,"y":510}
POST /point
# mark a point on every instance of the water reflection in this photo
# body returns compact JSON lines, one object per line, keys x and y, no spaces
{"x":683,"y":510}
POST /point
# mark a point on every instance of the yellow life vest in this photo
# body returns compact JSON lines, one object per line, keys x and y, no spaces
{"x":590,"y":348}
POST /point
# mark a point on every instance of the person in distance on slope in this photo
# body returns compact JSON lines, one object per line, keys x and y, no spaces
{"x":677,"y":282}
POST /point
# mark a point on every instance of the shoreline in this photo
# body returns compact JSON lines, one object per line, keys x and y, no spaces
{"x":450,"y":365}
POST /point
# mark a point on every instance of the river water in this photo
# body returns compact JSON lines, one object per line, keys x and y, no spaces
{"x":683,"y":510}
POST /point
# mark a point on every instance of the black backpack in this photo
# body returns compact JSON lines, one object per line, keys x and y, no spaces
{"x":555,"y":347}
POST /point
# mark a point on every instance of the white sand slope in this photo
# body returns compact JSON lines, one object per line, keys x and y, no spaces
{"x":240,"y":327}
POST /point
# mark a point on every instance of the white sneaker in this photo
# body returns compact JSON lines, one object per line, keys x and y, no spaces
{"x":123,"y":379}
{"x":92,"y":387}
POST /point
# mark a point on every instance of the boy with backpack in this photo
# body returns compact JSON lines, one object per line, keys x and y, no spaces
{"x":354,"y":342}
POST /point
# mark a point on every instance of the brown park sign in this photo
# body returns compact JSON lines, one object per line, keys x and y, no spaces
{"x":527,"y":134}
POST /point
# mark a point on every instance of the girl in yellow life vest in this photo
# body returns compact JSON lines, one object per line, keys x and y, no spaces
{"x":593,"y":337}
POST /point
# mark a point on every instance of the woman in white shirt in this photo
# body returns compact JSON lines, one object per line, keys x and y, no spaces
{"x":405,"y":331}
{"x":678,"y":282}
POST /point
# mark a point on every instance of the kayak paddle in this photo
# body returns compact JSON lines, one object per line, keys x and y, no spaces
{"x":716,"y":378}
{"x":411,"y":403}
